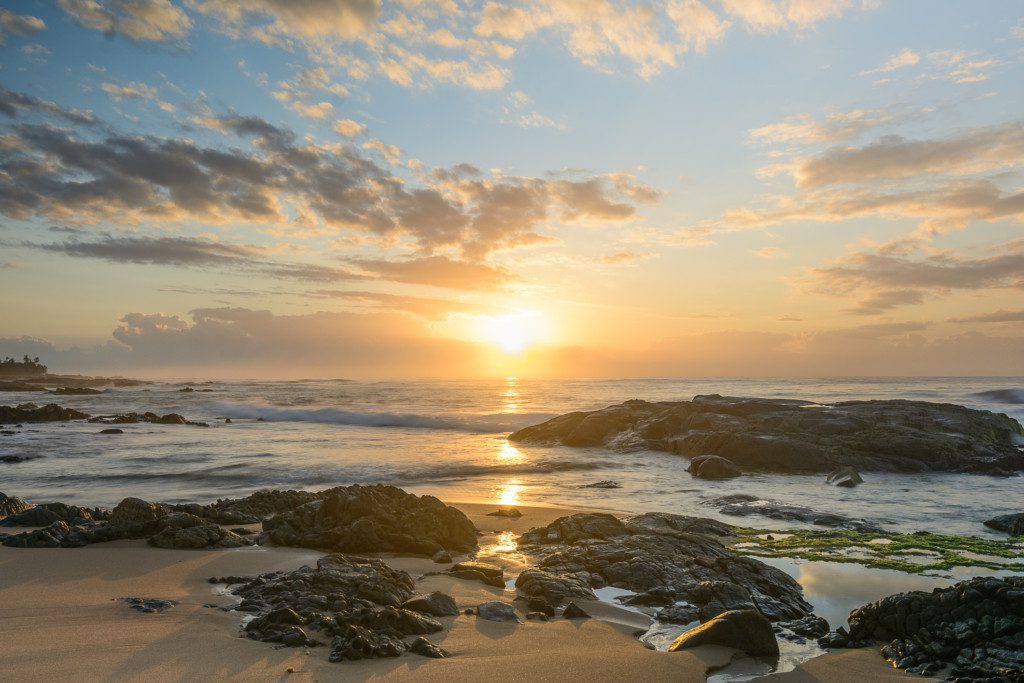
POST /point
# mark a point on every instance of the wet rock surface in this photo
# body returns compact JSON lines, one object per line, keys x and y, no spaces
{"x":148,"y":605}
{"x":1012,"y":524}
{"x":664,"y":552}
{"x":30,"y":412}
{"x":977,"y":626}
{"x":485,"y":573}
{"x":713,"y":467}
{"x":11,"y":505}
{"x":744,"y":505}
{"x":554,"y":588}
{"x":746,"y":630}
{"x":373,"y":519}
{"x":782,"y":435}
{"x":45,"y":514}
{"x":152,"y":418}
{"x":844,"y":477}
{"x":354,"y":602}
{"x":435,"y":604}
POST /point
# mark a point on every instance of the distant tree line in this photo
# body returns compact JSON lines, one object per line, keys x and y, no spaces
{"x":21,"y":368}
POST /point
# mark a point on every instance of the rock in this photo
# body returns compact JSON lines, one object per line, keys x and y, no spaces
{"x":60,"y":534}
{"x":975,"y":626}
{"x":442,"y":557}
{"x":660,"y":551}
{"x":713,"y":467}
{"x":678,"y":614}
{"x":186,"y":390}
{"x":148,"y":605}
{"x":811,"y":626}
{"x":136,"y":516}
{"x":479,"y":571}
{"x":227,"y":421}
{"x":152,"y":418}
{"x":75,"y":391}
{"x":743,"y":505}
{"x":782,"y":435}
{"x":535,"y":605}
{"x":554,"y":588}
{"x":745,"y":630}
{"x":846,"y":477}
{"x":715,"y":597}
{"x":660,"y":596}
{"x":30,"y":412}
{"x":197,"y":537}
{"x":10,"y":505}
{"x":373,"y":519}
{"x":606,"y":484}
{"x":574,"y":611}
{"x":112,"y":431}
{"x":506,"y":512}
{"x":497,"y":611}
{"x":423,"y":647}
{"x":356,"y":601}
{"x":436,"y":604}
{"x":45,"y":514}
{"x":1012,"y":524}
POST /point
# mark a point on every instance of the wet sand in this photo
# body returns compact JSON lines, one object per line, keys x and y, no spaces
{"x":61,"y":619}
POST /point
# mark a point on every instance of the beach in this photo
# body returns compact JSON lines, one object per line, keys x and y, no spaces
{"x":63,"y":619}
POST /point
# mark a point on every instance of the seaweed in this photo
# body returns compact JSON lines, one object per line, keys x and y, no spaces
{"x":837,"y":545}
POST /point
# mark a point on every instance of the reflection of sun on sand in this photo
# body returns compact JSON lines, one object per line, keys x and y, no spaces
{"x":62,"y":620}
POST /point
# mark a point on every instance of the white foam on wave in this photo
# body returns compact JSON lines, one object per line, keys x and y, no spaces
{"x":486,"y":423}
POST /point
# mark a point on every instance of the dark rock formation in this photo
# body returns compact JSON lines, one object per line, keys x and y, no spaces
{"x":30,"y":412}
{"x":745,"y":630}
{"x":605,"y":484}
{"x":846,"y":477}
{"x":554,"y":588}
{"x":423,"y":647}
{"x":152,"y":418}
{"x":11,"y":505}
{"x":148,"y":605}
{"x":512,"y":513}
{"x":75,"y":391}
{"x":442,"y":557}
{"x":373,"y":519}
{"x":743,"y":505}
{"x":112,"y":431}
{"x":15,"y":385}
{"x":977,"y":626}
{"x":799,"y":630}
{"x":713,"y":467}
{"x":479,"y":571}
{"x":251,"y":509}
{"x":661,"y":551}
{"x":45,"y":514}
{"x":574,"y":611}
{"x":182,"y":531}
{"x":497,"y":611}
{"x":1012,"y":524}
{"x":435,"y":604}
{"x":356,"y":601}
{"x":792,"y":436}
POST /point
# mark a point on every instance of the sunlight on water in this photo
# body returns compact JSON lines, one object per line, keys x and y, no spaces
{"x":510,"y":397}
{"x":510,"y":453}
{"x":509,"y":493}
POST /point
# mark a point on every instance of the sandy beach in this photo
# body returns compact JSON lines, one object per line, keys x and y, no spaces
{"x":63,"y":619}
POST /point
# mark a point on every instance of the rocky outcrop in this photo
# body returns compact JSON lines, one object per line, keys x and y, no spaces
{"x":152,"y":418}
{"x":745,"y":630}
{"x":713,"y":467}
{"x":554,"y":588}
{"x":11,"y":505}
{"x":75,"y":391}
{"x":1012,"y":524}
{"x":182,"y":531}
{"x":744,"y":505}
{"x":489,"y":574}
{"x":435,"y":604}
{"x":800,"y":436}
{"x":977,"y":626}
{"x":30,"y":412}
{"x":672,"y":554}
{"x":844,"y":477}
{"x":354,"y":602}
{"x":373,"y":519}
{"x":45,"y":514}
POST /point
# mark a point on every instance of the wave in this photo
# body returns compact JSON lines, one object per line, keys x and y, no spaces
{"x":1015,"y":396}
{"x":487,"y":422}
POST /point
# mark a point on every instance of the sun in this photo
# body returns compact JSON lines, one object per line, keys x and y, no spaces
{"x":513,"y":332}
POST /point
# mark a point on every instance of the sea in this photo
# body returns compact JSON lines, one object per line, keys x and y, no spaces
{"x":449,"y":438}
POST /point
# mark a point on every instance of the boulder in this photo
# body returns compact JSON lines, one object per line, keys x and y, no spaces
{"x":678,"y":614}
{"x":713,"y":467}
{"x":30,"y":412}
{"x":436,"y":604}
{"x":745,"y":630}
{"x":442,"y":557}
{"x":782,"y":435}
{"x":661,"y":551}
{"x":554,"y":588}
{"x":605,"y":484}
{"x":373,"y":519}
{"x":497,"y":611}
{"x":512,"y":512}
{"x":45,"y":514}
{"x":574,"y":611}
{"x":1012,"y":524}
{"x":423,"y":647}
{"x":846,"y":477}
{"x":112,"y":431}
{"x":715,"y":597}
{"x":10,"y":505}
{"x":135,"y":516}
{"x":198,"y":537}
{"x":743,"y":505}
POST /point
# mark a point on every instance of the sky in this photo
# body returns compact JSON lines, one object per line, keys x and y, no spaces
{"x":572,"y":188}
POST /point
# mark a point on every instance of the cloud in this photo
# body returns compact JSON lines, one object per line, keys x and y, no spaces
{"x":19,"y":24}
{"x":182,"y":251}
{"x":139,"y":20}
{"x":438,"y":271}
{"x":904,"y":58}
{"x":13,"y":104}
{"x":804,"y":129}
{"x":276,"y":20}
{"x":1000,"y":316}
{"x":349,"y":128}
{"x":624,"y":257}
{"x":970,"y":151}
{"x":518,"y":111}
{"x":424,"y":307}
